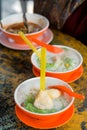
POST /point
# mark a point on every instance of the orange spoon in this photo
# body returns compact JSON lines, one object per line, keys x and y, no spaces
{"x":50,"y":48}
{"x":67,"y":90}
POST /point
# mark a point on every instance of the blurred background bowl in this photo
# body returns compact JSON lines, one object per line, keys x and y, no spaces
{"x":18,"y":18}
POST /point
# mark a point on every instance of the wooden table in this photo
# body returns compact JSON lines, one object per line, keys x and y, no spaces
{"x":15,"y":67}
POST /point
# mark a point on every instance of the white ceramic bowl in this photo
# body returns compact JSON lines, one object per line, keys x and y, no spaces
{"x":66,"y":74}
{"x":23,"y":90}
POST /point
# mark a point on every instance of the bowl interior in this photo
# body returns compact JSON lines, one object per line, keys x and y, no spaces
{"x":69,"y":56}
{"x":31,"y":85}
{"x":18,"y":18}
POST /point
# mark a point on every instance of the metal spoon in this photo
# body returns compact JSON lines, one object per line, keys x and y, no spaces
{"x":1,"y":24}
{"x":24,"y":10}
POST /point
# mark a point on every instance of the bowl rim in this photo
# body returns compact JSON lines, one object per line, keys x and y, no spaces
{"x":30,"y":34}
{"x":52,"y":72}
{"x":48,"y":114}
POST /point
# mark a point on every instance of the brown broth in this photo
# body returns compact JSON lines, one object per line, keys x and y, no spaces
{"x":15,"y":28}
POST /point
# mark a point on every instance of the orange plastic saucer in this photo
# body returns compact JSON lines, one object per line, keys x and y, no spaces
{"x":76,"y":75}
{"x":43,"y":124}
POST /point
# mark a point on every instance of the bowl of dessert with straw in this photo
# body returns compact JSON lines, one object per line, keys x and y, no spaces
{"x":66,"y":65}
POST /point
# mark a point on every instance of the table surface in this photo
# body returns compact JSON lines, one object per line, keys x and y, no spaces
{"x":15,"y":67}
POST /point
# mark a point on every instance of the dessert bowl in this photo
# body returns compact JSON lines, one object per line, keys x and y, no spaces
{"x":64,"y":65}
{"x":31,"y":87}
